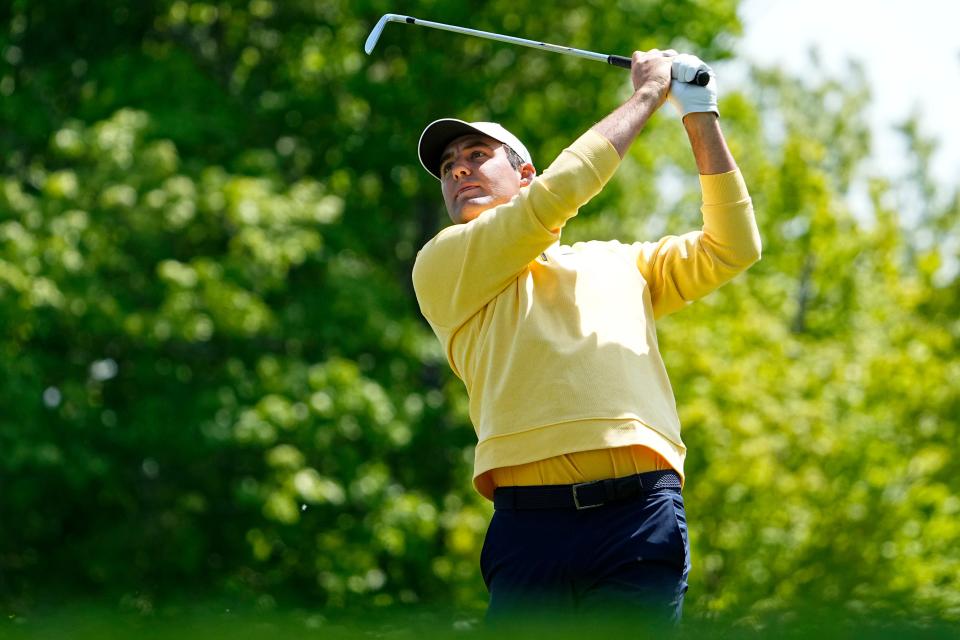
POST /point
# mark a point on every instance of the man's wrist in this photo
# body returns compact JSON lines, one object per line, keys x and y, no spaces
{"x":700,"y":120}
{"x":645,"y":99}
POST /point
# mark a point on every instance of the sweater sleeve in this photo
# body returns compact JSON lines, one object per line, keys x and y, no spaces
{"x":681,"y":269}
{"x":465,"y":266}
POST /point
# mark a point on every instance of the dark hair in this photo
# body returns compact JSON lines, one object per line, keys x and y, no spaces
{"x":513,"y":157}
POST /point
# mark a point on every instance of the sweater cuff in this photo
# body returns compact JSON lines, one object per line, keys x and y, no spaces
{"x":724,"y":188}
{"x":598,"y":152}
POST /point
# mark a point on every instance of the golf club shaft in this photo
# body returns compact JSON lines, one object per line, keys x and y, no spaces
{"x":701,"y":78}
{"x":590,"y":55}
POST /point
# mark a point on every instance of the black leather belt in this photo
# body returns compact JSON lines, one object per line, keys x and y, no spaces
{"x":584,"y":495}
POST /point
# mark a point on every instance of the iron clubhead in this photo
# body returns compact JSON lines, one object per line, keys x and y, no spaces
{"x":378,"y":29}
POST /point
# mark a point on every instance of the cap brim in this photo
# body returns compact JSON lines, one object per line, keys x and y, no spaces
{"x":435,"y":139}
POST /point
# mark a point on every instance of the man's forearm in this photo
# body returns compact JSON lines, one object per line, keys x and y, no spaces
{"x":625,"y":123}
{"x":709,"y":147}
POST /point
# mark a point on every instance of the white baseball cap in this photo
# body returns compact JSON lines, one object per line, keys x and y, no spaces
{"x":440,"y":133}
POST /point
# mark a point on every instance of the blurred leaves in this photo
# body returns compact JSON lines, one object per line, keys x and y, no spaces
{"x":213,"y":371}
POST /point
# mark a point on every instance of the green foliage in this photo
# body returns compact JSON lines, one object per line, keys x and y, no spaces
{"x":213,"y":374}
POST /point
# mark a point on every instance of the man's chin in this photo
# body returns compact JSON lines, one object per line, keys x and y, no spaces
{"x":472,"y":210}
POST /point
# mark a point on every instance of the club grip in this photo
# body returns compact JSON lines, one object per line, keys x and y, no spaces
{"x":701,"y":79}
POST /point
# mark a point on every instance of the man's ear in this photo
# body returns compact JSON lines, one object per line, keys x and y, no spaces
{"x":527,"y":173}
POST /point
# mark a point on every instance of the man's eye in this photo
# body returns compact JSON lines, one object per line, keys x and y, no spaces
{"x":444,"y":168}
{"x":477,"y":153}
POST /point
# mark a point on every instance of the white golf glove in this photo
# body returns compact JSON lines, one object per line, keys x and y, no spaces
{"x":691,"y":98}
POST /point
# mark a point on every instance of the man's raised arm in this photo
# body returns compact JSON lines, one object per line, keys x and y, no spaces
{"x":680,"y":269}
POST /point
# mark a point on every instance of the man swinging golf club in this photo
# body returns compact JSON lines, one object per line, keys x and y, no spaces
{"x":578,"y":436}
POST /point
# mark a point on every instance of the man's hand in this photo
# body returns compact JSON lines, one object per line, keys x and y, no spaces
{"x":691,"y":98}
{"x":650,"y":72}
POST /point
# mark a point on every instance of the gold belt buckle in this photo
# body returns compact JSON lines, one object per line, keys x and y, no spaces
{"x":576,"y":500}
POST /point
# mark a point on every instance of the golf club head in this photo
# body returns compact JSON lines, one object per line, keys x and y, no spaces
{"x":378,"y":29}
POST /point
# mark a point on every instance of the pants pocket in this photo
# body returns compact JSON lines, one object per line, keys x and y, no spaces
{"x":661,"y":533}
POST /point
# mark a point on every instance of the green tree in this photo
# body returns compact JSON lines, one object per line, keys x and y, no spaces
{"x":213,"y":374}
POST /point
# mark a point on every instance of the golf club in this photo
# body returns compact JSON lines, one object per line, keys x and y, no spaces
{"x":701,"y":79}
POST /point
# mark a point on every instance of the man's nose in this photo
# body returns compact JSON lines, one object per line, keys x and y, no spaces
{"x":460,"y":169}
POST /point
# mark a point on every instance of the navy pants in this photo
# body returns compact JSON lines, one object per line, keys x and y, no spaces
{"x":631,"y":558}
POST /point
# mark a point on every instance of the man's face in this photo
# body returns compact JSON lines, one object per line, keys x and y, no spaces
{"x":476,"y":175}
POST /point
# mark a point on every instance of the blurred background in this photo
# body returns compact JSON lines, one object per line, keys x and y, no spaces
{"x":215,"y":383}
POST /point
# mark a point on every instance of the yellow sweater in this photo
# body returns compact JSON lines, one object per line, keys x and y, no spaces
{"x":557,"y":345}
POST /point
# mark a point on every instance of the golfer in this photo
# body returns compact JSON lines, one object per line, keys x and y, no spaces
{"x":578,"y":435}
